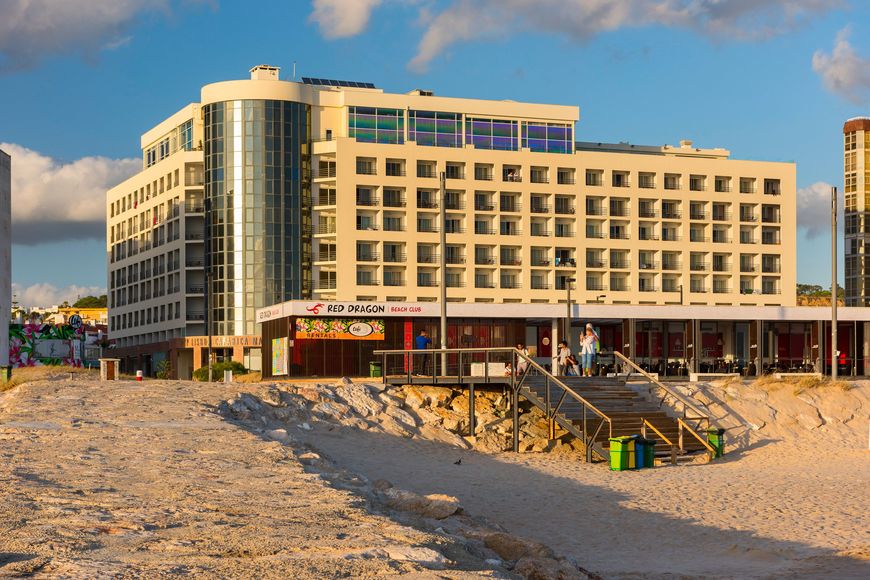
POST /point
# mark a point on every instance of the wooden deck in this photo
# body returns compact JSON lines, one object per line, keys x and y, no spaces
{"x":445,"y":380}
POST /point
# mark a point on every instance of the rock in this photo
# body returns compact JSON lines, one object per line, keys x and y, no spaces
{"x":424,"y":416}
{"x":510,"y":547}
{"x":437,"y":506}
{"x":304,"y":426}
{"x":390,"y":400}
{"x":310,"y":458}
{"x":547,"y":569}
{"x":401,"y":416}
{"x":414,"y":398}
{"x":436,"y":396}
{"x":451,"y":420}
{"x":346,"y":381}
{"x":427,"y":557}
{"x":482,"y":405}
{"x":434,"y":433}
{"x":393,"y":427}
{"x":376,"y":388}
{"x":538,"y":429}
{"x":492,"y":442}
{"x":280,"y":435}
{"x":381,"y":485}
{"x":251,"y":402}
{"x":359,"y":399}
{"x":313,"y":394}
{"x":332,"y":410}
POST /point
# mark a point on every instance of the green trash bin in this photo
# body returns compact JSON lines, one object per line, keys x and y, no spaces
{"x":622,"y":453}
{"x":5,"y":374}
{"x":716,"y":439}
{"x":375,"y":368}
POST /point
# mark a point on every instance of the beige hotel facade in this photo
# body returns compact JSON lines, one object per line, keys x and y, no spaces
{"x":326,"y":190}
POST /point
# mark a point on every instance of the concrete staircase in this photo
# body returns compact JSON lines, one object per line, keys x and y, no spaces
{"x":625,"y":408}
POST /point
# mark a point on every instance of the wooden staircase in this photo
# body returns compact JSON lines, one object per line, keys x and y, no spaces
{"x":625,"y":408}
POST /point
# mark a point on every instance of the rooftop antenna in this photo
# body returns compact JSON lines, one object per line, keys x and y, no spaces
{"x":294,"y":71}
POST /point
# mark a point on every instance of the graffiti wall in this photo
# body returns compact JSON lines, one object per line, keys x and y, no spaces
{"x":33,"y":345}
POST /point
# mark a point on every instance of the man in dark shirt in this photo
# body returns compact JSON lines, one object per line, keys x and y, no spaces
{"x":422,"y":342}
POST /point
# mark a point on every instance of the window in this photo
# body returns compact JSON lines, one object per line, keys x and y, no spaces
{"x":392,"y":198}
{"x":455,"y":171}
{"x":620,"y":179}
{"x":491,"y":134}
{"x":672,"y":181}
{"x":435,"y":129}
{"x":548,"y":137}
{"x":594,"y":177}
{"x":747,"y":185}
{"x":395,"y":168}
{"x":393,"y":223}
{"x":646,"y":180}
{"x":772,"y":187}
{"x":697,"y":182}
{"x":375,"y":125}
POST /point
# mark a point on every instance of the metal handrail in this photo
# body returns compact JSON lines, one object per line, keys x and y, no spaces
{"x":682,"y":424}
{"x":681,"y":398}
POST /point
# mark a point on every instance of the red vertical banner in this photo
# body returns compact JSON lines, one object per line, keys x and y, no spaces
{"x":408,"y":338}
{"x":545,"y":341}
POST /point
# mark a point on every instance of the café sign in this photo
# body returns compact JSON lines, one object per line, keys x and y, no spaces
{"x":314,"y":308}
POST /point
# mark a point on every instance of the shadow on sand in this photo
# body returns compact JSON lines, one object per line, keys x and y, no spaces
{"x":588,"y":522}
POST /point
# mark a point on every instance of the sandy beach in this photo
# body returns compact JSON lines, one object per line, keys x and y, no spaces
{"x":167,"y":478}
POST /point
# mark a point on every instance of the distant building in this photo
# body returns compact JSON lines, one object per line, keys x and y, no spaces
{"x":856,"y":191}
{"x":5,"y":254}
{"x":90,"y":316}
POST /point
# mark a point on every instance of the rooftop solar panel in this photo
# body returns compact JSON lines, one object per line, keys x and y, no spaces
{"x":336,"y":83}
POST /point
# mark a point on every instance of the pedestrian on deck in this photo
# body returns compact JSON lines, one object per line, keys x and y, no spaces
{"x":588,"y":349}
{"x":566,"y":360}
{"x":522,"y":364}
{"x":423,"y":342}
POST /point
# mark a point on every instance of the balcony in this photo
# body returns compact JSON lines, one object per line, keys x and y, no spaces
{"x":510,"y":261}
{"x":698,"y":289}
{"x":195,"y":207}
{"x":647,"y":288}
{"x":394,"y":281}
{"x":325,"y":172}
{"x":195,"y":315}
{"x":454,"y":204}
{"x":565,"y":210}
{"x":565,"y":179}
{"x":770,"y":218}
{"x":748,"y":217}
{"x":721,"y":216}
{"x":512,"y":176}
{"x":670,"y":266}
{"x":364,"y":227}
{"x":365,"y":281}
{"x":427,"y":258}
{"x":770,"y":268}
{"x":540,"y":285}
{"x":647,"y":236}
{"x":427,"y":204}
{"x":510,"y":284}
{"x":395,"y":258}
{"x":426,"y":172}
{"x":770,"y":239}
{"x":540,"y":232}
{"x":651,"y":265}
{"x":596,"y":263}
{"x":484,"y":260}
{"x":482,"y":175}
{"x":619,"y":212}
{"x":620,"y":264}
{"x":698,"y":215}
{"x":325,"y":229}
{"x":480,"y":206}
{"x":393,"y":202}
{"x":747,"y":268}
{"x":648,"y":213}
{"x":195,"y":290}
{"x":539,"y":178}
{"x":190,"y":263}
{"x":366,"y":257}
{"x":367,"y":201}
{"x":617,"y":235}
{"x":453,"y":260}
{"x":427,"y":282}
{"x":699,"y":266}
{"x":596,"y":286}
{"x":721,"y":289}
{"x":770,"y":291}
{"x":484,"y":284}
{"x":540,"y":262}
{"x":539,"y":208}
{"x":366,"y":169}
{"x":594,"y":210}
{"x":671,"y":215}
{"x":326,"y":256}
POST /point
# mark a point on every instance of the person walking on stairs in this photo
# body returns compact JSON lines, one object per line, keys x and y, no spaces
{"x":588,"y":349}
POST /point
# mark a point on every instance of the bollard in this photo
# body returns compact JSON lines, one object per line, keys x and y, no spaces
{"x":228,"y":376}
{"x":139,"y":376}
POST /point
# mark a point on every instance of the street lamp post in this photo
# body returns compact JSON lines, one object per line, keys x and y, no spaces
{"x":568,"y":282}
{"x":834,"y":353}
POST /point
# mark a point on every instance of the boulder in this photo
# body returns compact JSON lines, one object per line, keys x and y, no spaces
{"x":533,"y":568}
{"x":510,"y":547}
{"x":279,"y":435}
{"x":451,"y":420}
{"x":424,"y":416}
{"x":401,"y":416}
{"x":360,"y":399}
{"x":381,"y":485}
{"x":437,"y":506}
{"x":414,"y":398}
{"x":437,"y":396}
{"x":332,"y":410}
{"x":482,"y":405}
{"x":492,"y":442}
{"x":314,"y":394}
{"x":434,"y":433}
{"x":393,"y":427}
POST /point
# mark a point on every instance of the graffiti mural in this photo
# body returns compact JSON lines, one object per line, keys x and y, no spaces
{"x":32,"y":345}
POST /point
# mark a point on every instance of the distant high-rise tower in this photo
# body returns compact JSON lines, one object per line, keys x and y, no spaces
{"x":856,"y":188}
{"x":5,"y":255}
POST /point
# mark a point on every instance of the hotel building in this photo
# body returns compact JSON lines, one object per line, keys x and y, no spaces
{"x":856,"y":195}
{"x":327,"y":190}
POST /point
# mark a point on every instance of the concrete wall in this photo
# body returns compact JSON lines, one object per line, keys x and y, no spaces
{"x":5,"y":254}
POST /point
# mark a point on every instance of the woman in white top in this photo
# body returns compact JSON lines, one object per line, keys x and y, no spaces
{"x":522,"y":363}
{"x":588,"y":349}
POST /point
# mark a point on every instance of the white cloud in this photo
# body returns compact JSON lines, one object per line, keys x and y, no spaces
{"x":844,"y":72}
{"x":578,"y":20}
{"x":342,"y":18}
{"x":45,"y":295}
{"x":54,"y":201}
{"x":31,"y":30}
{"x":814,"y":210}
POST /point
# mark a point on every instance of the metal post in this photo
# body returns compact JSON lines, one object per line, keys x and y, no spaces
{"x":550,"y":429}
{"x":472,"y":426}
{"x":515,"y":396}
{"x":834,"y":293}
{"x":443,"y":282}
{"x":208,"y":282}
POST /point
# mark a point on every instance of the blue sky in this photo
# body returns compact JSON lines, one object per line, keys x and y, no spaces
{"x":80,"y":83}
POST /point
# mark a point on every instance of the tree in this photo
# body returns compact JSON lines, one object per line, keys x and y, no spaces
{"x":91,"y":302}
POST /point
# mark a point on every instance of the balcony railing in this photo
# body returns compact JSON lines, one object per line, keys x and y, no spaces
{"x":326,"y":172}
{"x":427,"y":258}
{"x":394,"y":202}
{"x":427,"y":204}
{"x":483,"y":175}
{"x":748,"y":217}
{"x":539,"y":208}
{"x":596,"y":263}
{"x":536,"y":178}
{"x":565,"y":179}
{"x":367,"y":201}
{"x":326,"y":257}
{"x":428,"y":172}
{"x":484,"y":260}
{"x":453,"y":260}
{"x":698,"y":266}
{"x":367,"y":257}
{"x":563,"y":210}
{"x":366,"y":170}
{"x":652,"y":265}
{"x":510,"y":261}
{"x":672,"y":215}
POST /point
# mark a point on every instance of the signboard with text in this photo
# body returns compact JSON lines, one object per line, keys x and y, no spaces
{"x":279,"y":356}
{"x":313,"y":308}
{"x":339,"y":329}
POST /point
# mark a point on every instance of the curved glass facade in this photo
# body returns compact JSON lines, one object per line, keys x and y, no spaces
{"x":257,"y":190}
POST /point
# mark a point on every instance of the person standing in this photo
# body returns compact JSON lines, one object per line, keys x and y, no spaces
{"x":588,"y":349}
{"x":522,"y":364}
{"x":423,"y":342}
